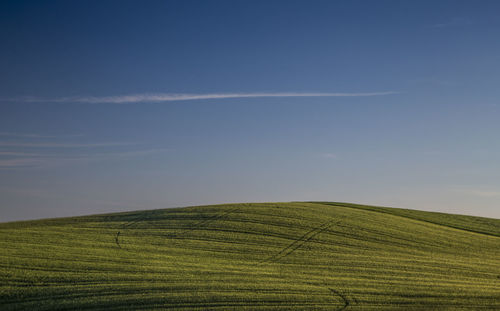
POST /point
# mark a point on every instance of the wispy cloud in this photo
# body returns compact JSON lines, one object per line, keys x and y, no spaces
{"x":20,"y":162}
{"x":159,"y":98}
{"x":16,"y":153}
{"x":32,"y":135}
{"x":28,"y":154}
{"x":24,"y":150}
{"x":43,"y":160}
{"x":62,"y":145}
{"x":122,"y":154}
{"x":54,"y":194}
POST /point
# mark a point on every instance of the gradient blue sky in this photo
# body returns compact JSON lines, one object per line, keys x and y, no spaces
{"x":81,"y":133}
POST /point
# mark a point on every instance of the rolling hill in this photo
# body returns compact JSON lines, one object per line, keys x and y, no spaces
{"x":273,"y":256}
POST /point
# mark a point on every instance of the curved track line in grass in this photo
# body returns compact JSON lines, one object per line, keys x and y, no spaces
{"x":234,"y":305}
{"x":281,"y":254}
{"x":116,"y":239}
{"x":409,"y":217}
{"x":332,"y":277}
{"x":227,"y":301}
{"x":204,"y":222}
{"x":126,"y":225}
{"x":284,"y":252}
{"x":297,"y":246}
{"x":344,"y":299}
{"x":396,"y":240}
{"x":143,"y":216}
{"x":174,"y":235}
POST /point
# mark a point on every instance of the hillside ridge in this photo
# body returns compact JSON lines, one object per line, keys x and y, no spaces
{"x":252,"y":256}
{"x":426,"y":216}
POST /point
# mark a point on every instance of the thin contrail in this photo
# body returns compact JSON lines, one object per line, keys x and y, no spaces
{"x":158,"y":98}
{"x":61,"y":145}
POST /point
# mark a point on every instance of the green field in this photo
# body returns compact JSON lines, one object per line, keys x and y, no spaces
{"x":273,"y":256}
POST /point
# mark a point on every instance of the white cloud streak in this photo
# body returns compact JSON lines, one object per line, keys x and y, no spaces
{"x":160,"y":98}
{"x":61,"y":145}
{"x":30,"y":135}
{"x":15,"y":153}
{"x":50,"y":160}
{"x":18,"y":163}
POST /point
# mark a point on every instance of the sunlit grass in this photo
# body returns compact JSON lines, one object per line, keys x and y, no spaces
{"x":275,"y":256}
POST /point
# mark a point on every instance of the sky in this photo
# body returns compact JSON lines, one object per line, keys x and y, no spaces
{"x":109,"y":106}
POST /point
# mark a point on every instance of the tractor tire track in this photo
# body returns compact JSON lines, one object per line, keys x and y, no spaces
{"x":293,"y":249}
{"x":203,"y":222}
{"x":124,"y":226}
{"x":197,"y":225}
{"x":130,"y":224}
{"x":286,"y":251}
{"x":344,"y":299}
{"x":117,"y":241}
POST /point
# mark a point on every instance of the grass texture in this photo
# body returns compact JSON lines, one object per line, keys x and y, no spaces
{"x":272,"y":256}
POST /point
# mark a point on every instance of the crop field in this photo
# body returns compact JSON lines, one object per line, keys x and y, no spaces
{"x":272,"y":256}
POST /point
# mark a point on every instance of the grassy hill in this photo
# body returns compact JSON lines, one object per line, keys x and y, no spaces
{"x":275,"y":256}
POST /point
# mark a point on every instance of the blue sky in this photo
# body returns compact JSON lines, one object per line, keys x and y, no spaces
{"x":124,"y":105}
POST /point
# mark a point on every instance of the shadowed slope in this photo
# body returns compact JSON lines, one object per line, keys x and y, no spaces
{"x":301,"y":256}
{"x":476,"y":224}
